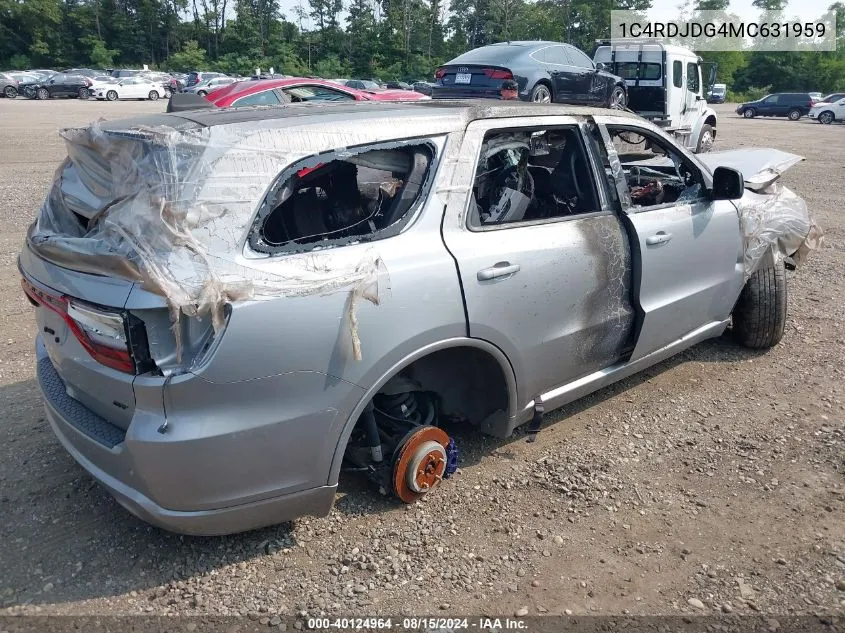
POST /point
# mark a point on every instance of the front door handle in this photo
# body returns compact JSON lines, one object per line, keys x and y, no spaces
{"x":661,"y":237}
{"x":501,"y":269}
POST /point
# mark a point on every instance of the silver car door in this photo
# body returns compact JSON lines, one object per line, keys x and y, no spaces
{"x":553,"y":292}
{"x":687,"y":251}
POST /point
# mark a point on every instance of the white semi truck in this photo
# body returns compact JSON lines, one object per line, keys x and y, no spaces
{"x":665,"y":85}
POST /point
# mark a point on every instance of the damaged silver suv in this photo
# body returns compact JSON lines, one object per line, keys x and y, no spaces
{"x":234,"y":305}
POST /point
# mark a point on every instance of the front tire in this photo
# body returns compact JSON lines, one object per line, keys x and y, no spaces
{"x":826,"y":117}
{"x":618,"y":99}
{"x":153,"y":95}
{"x":750,"y":113}
{"x":706,"y":139}
{"x":10,"y":92}
{"x":42,"y":94}
{"x":83,"y":93}
{"x":111,"y":95}
{"x":540,"y":93}
{"x":759,"y":316}
{"x":794,"y":115}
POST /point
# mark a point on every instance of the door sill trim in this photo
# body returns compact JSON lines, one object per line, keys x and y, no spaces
{"x":564,"y":394}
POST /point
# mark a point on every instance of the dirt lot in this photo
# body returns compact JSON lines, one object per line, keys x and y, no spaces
{"x":713,"y":482}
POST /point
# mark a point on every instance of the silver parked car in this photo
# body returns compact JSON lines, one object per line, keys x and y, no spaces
{"x":235,"y":305}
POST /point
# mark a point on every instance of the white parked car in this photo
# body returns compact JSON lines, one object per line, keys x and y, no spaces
{"x":131,"y":88}
{"x":827,"y":112}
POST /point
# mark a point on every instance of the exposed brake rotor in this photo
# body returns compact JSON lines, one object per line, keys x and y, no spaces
{"x":420,"y":463}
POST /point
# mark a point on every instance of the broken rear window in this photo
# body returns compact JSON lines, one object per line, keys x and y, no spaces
{"x":341,"y":199}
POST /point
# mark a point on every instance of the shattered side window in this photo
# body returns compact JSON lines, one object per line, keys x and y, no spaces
{"x":527,"y":175}
{"x":346,"y":198}
{"x":655,"y":172}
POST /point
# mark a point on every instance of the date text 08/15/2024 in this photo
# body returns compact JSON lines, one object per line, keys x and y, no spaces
{"x":418,"y":624}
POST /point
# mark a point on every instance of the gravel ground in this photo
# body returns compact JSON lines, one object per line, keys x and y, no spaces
{"x":711,"y":483}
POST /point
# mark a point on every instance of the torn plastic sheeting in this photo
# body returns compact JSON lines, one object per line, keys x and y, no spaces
{"x":169,"y":208}
{"x":778,"y":220}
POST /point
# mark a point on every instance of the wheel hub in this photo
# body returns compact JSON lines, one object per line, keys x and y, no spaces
{"x":420,"y":463}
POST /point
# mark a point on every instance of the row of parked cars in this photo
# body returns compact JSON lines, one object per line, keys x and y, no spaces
{"x":794,"y":105}
{"x":109,"y":85}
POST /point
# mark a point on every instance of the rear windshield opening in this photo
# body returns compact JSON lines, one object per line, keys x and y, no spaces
{"x":357,"y":197}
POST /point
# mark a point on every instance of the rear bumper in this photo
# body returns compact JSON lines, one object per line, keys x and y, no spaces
{"x":128,"y":466}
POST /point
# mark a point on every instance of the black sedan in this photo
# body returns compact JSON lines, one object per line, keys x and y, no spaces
{"x":543,"y":71}
{"x":60,"y":85}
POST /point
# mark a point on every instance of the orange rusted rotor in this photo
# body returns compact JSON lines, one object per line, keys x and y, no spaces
{"x":420,"y":464}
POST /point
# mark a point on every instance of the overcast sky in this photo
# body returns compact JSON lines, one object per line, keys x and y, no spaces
{"x":805,"y":9}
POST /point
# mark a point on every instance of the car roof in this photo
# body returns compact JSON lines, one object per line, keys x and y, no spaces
{"x":413,"y":118}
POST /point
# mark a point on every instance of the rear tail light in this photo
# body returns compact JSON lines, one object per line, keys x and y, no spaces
{"x":438,"y":74}
{"x":103,"y":334}
{"x":496,"y":73}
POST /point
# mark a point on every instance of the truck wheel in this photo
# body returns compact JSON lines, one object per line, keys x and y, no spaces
{"x":826,"y":117}
{"x":750,"y":113}
{"x":759,"y":316}
{"x":794,"y":114}
{"x":705,"y":139}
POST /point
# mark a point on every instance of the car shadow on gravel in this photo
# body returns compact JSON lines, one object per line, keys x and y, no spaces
{"x":65,"y":539}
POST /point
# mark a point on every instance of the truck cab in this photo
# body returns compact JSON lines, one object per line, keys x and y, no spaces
{"x":666,"y":86}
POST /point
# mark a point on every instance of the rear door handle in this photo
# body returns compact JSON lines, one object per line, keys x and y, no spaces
{"x":501,"y":269}
{"x":661,"y":237}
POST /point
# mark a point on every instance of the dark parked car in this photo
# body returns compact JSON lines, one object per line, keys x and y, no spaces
{"x":398,"y":85}
{"x":792,"y":105}
{"x":8,"y":86}
{"x":60,"y":85}
{"x":85,"y":72}
{"x":196,"y":77}
{"x":362,"y":84}
{"x":544,"y":72}
{"x":424,"y":87}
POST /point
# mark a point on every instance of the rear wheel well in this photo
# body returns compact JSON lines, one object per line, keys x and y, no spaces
{"x":547,"y":84}
{"x":455,"y":385}
{"x":469,"y":381}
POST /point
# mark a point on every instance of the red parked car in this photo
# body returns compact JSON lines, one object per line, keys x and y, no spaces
{"x":296,"y":90}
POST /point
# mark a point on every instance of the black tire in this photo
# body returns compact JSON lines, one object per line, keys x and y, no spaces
{"x":827,"y":117}
{"x":540,"y":93}
{"x":42,"y":93}
{"x":153,"y":95}
{"x":10,"y":92}
{"x":83,"y":93}
{"x":618,"y":99}
{"x":111,"y":95}
{"x":749,"y":113}
{"x":794,"y":114}
{"x":705,"y":139}
{"x":759,"y":316}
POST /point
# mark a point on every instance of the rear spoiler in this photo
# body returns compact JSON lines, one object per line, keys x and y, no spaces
{"x":182,"y":101}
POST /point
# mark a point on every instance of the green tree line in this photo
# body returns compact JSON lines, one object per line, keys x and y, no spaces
{"x":388,"y":39}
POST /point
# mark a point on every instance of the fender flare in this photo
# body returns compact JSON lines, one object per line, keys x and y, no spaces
{"x":696,"y":130}
{"x":485,"y":346}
